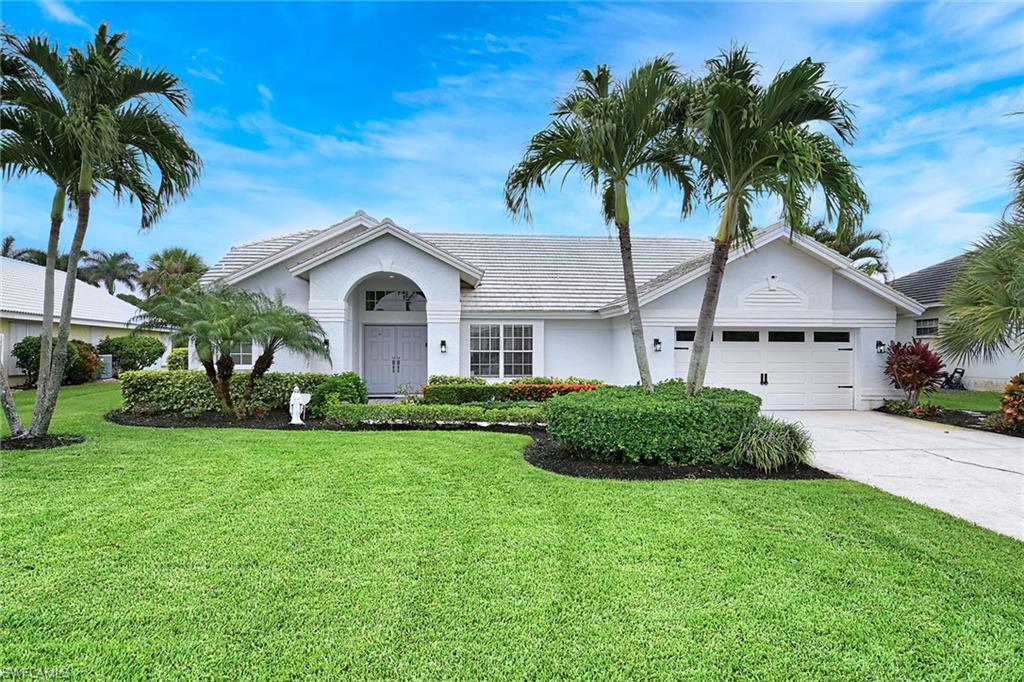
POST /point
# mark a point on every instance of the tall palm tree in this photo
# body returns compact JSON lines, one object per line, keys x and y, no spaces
{"x":611,"y":133}
{"x":110,"y":268}
{"x":986,"y":302}
{"x":106,"y":121}
{"x":9,"y":249}
{"x":750,"y":141}
{"x":174,"y":268}
{"x":854,"y":243}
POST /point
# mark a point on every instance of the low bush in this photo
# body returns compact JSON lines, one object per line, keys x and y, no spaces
{"x":905,"y":408}
{"x":349,"y":414}
{"x":189,"y":392}
{"x":86,"y":368}
{"x":769,"y":444}
{"x":132,"y":353}
{"x":177,"y":359}
{"x":457,"y":394}
{"x":26,"y":356}
{"x":1012,"y":405}
{"x":502,"y":404}
{"x":347,"y":387}
{"x":542,"y":392}
{"x":628,"y":424}
{"x":451,"y":379}
{"x":556,"y":380}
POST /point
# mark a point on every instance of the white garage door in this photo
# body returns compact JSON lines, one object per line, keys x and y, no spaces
{"x":790,"y":369}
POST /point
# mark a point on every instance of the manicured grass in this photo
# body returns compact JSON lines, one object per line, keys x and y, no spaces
{"x":230,"y":553}
{"x":978,"y":401}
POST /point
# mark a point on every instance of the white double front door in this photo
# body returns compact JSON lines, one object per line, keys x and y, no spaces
{"x":394,"y":358}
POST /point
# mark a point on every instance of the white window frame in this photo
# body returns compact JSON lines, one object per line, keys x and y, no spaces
{"x":502,"y":350}
{"x":934,"y":327}
{"x":241,"y":353}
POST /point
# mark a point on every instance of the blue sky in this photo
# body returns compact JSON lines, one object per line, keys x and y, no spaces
{"x":304,"y":112}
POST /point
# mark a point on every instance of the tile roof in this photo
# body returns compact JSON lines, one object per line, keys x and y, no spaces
{"x":928,"y":285}
{"x":21,"y":291}
{"x":523,"y":272}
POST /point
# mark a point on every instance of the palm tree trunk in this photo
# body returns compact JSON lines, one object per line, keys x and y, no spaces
{"x":636,"y":324}
{"x":259,"y":368}
{"x":10,"y":409}
{"x":46,"y":335}
{"x":223,"y":397}
{"x":44,"y":409}
{"x":701,"y":349}
{"x":225,"y":370}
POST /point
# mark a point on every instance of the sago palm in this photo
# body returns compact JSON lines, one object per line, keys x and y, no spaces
{"x":610,"y":133}
{"x":986,"y":302}
{"x":750,"y":141}
{"x":107,"y":120}
{"x":173,"y":269}
{"x":109,"y":269}
{"x":854,"y":243}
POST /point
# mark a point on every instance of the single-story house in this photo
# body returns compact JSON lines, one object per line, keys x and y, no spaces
{"x":927,"y":287}
{"x":797,"y":323}
{"x":95,"y":314}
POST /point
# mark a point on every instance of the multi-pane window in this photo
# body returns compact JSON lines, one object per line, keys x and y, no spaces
{"x":927,"y":327}
{"x":395,"y":301}
{"x":498,"y":351}
{"x":241,"y":353}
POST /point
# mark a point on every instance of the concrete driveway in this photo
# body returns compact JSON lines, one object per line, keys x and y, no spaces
{"x":975,"y":475}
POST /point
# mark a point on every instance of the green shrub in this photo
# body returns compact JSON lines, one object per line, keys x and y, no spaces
{"x":177,"y":359}
{"x":454,"y":379}
{"x":348,"y":414}
{"x":347,"y":387}
{"x":542,"y":392}
{"x":628,"y":424}
{"x":188,"y":392}
{"x":1011,"y":407}
{"x":502,"y":404}
{"x":673,"y":387}
{"x":26,"y":356}
{"x":86,"y":367}
{"x":556,"y":380}
{"x":132,"y":353}
{"x":457,"y":394}
{"x":770,"y":444}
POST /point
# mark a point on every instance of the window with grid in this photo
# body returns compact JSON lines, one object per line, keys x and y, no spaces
{"x":242,"y":353}
{"x":501,"y":351}
{"x":518,"y":350}
{"x":485,"y":350}
{"x":928,"y":327}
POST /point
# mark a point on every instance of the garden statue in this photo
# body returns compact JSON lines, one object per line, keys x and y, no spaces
{"x":297,"y":405}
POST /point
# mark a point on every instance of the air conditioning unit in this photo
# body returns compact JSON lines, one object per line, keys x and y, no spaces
{"x":106,"y":366}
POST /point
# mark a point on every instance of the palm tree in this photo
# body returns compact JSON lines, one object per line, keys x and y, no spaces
{"x":172,"y":269}
{"x":104,"y":121}
{"x":750,"y":141}
{"x":986,"y":302}
{"x":611,"y":133}
{"x":855,"y":244}
{"x":8,"y":249}
{"x":110,"y":268}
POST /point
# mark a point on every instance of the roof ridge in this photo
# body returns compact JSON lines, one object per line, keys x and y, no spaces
{"x":554,"y":236}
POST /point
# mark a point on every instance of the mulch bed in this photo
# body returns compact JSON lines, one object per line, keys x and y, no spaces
{"x":39,"y":442}
{"x":963,"y":418}
{"x":546,"y":454}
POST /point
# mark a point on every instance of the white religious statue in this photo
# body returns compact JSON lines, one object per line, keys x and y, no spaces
{"x":297,"y":406}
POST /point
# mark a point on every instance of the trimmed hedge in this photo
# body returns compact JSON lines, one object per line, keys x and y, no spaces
{"x":347,"y":387}
{"x":189,"y":392}
{"x":351,"y":414}
{"x":456,"y":394}
{"x":556,"y":380}
{"x":177,"y":359}
{"x":542,"y":392}
{"x":627,"y":424}
{"x":455,"y":379}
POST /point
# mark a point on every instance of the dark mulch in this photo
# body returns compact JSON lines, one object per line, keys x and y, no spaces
{"x":964,"y":418}
{"x":546,"y":454}
{"x":39,"y":442}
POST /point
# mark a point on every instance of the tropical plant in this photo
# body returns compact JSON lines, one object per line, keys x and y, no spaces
{"x":8,"y":249}
{"x":612,"y":133}
{"x":172,"y":269}
{"x":749,"y":141}
{"x":854,"y":243}
{"x":770,"y":444}
{"x":110,"y":268}
{"x":131,"y":353}
{"x":913,"y":367}
{"x":89,"y":120}
{"x":986,"y":301}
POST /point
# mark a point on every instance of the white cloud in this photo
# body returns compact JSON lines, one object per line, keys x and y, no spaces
{"x":266,"y":95}
{"x":58,"y":11}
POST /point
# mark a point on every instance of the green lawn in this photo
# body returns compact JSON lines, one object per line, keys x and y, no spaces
{"x":978,"y":401}
{"x":185,"y":554}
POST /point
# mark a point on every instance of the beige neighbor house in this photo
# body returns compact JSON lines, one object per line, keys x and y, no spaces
{"x":927,"y":287}
{"x":95,"y":315}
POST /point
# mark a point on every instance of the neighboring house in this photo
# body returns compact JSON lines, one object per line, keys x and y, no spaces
{"x":95,"y":314}
{"x":927,"y":287}
{"x":797,"y":323}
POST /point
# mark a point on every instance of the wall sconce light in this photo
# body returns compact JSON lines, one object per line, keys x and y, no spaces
{"x":879,"y":347}
{"x":657,"y":345}
{"x":444,"y":346}
{"x":327,"y":343}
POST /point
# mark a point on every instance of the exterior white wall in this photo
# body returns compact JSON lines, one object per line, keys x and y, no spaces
{"x":572,"y":348}
{"x":980,"y":375}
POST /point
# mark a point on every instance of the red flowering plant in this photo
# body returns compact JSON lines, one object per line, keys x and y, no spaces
{"x":1012,"y":408}
{"x":541,"y":392}
{"x":913,"y":368}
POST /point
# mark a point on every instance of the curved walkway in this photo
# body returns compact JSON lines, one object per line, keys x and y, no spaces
{"x":976,"y":475}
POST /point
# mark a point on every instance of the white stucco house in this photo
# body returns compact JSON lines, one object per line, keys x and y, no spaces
{"x":797,"y":324}
{"x":927,"y":287}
